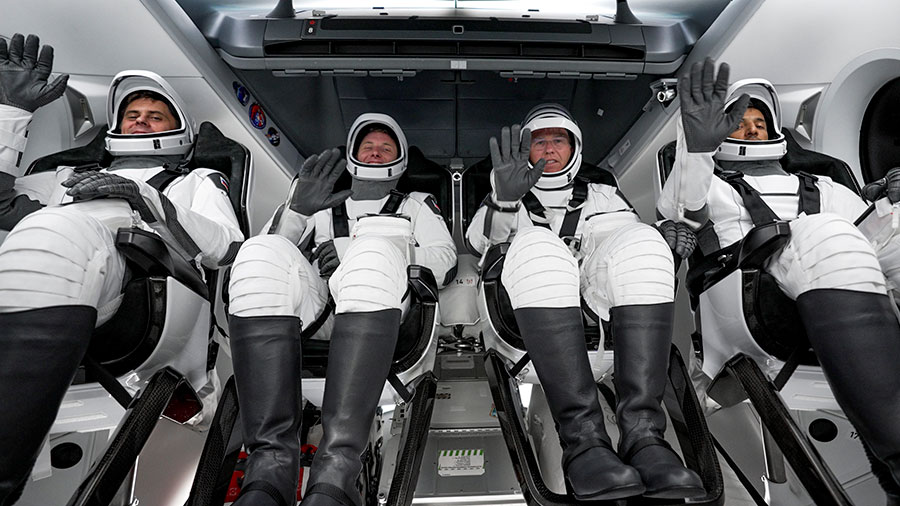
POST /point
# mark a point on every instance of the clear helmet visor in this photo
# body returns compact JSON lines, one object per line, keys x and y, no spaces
{"x":556,"y":116}
{"x":176,"y":141}
{"x":376,"y":171}
{"x":764,"y":98}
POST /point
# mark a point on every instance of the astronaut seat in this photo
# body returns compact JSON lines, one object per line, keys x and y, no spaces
{"x":418,"y":342}
{"x":160,"y":336}
{"x":535,"y":454}
{"x":501,"y":332}
{"x":749,"y":343}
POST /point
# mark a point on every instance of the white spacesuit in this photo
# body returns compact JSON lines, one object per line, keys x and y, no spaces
{"x":834,"y":270}
{"x":276,"y":292}
{"x":573,"y":238}
{"x":60,"y":272}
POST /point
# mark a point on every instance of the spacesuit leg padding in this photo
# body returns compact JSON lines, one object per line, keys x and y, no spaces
{"x":267,"y":369}
{"x":826,"y":251}
{"x":857,"y":340}
{"x":554,"y":338}
{"x":371,"y":277}
{"x":41,"y":350}
{"x":540,"y":271}
{"x":359,"y":359}
{"x":643,"y":337}
{"x":632,"y":266}
{"x":270,"y":277}
{"x":60,"y":256}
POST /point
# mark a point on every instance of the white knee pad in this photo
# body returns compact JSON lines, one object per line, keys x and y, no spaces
{"x":270,"y":277}
{"x":61,"y":256}
{"x":540,"y":271}
{"x":371,"y":277}
{"x":633,"y":265}
{"x":826,"y":252}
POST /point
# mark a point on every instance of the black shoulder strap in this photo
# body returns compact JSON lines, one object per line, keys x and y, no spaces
{"x":393,"y":202}
{"x":810,"y":201}
{"x":760,"y":212}
{"x":164,"y":178}
{"x":339,"y":220}
{"x":573,"y":209}
{"x":535,"y":210}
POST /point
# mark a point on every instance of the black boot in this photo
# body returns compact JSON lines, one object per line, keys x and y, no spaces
{"x":856,"y":338}
{"x":359,"y":359}
{"x":883,"y":474}
{"x":267,"y":367}
{"x":554,"y":338}
{"x":40,"y":350}
{"x":643,"y":337}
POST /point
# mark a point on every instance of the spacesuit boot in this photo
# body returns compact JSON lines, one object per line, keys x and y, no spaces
{"x":41,"y":350}
{"x":643,"y":337}
{"x":359,"y":359}
{"x":883,"y":474}
{"x":856,"y":338}
{"x":267,"y":367}
{"x":554,"y":338}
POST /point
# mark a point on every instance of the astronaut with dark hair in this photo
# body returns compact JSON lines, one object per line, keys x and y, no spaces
{"x":60,"y":273}
{"x":364,"y":239}
{"x":727,"y":178}
{"x":573,"y":239}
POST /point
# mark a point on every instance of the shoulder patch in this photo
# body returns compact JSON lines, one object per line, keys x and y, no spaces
{"x":220,"y":181}
{"x":432,"y":204}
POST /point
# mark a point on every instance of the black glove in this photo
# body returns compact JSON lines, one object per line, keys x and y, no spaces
{"x":23,"y":75}
{"x":90,"y":185}
{"x":681,"y":238}
{"x":313,"y":186}
{"x":888,"y":186}
{"x":511,"y":178}
{"x":328,"y":259}
{"x":702,"y":96}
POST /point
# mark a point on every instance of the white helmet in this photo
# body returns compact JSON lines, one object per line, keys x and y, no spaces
{"x":171,"y":142}
{"x":364,"y":125}
{"x":556,"y":116}
{"x":762,"y":97}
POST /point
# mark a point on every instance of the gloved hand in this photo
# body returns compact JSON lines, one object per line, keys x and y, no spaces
{"x":92,"y":184}
{"x":23,"y":75}
{"x":888,"y":186}
{"x":703,"y":116}
{"x":511,"y":178}
{"x":328,"y":259}
{"x":313,"y":186}
{"x":681,"y":238}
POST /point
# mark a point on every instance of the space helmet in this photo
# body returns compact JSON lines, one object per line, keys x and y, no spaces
{"x":365,"y":124}
{"x":556,"y":116}
{"x":763,"y":97}
{"x":171,"y":142}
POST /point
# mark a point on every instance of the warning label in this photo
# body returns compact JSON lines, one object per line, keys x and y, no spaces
{"x":461,"y":463}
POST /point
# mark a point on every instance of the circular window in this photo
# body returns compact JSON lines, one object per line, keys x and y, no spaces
{"x":879,"y":137}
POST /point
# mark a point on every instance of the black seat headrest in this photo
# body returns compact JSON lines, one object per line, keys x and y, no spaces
{"x":92,"y":152}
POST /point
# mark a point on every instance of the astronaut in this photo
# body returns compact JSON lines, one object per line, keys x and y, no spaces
{"x":276,"y":292}
{"x":571,"y":238}
{"x":838,"y":274}
{"x":60,"y":273}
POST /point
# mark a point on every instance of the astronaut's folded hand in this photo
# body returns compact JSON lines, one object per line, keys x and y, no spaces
{"x":679,"y":236}
{"x":888,"y":186}
{"x":91,"y":185}
{"x":328,"y":258}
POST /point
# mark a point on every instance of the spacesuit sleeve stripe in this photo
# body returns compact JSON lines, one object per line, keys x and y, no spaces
{"x":276,"y":219}
{"x":180,"y":234}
